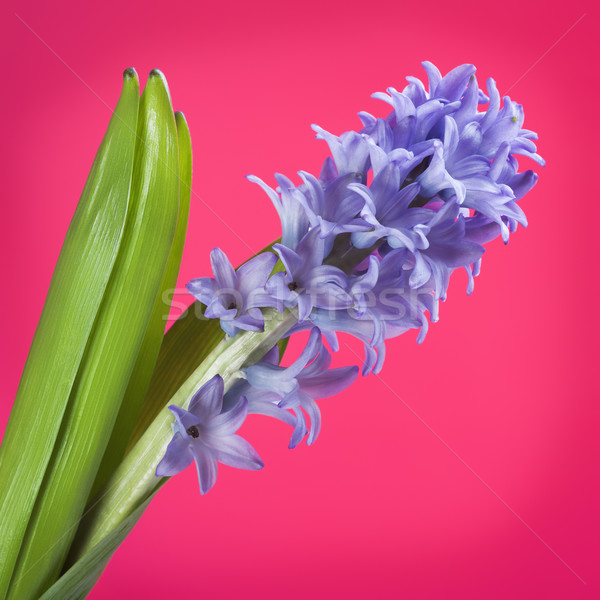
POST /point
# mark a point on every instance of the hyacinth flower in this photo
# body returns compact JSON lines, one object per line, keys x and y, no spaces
{"x":206,"y":435}
{"x":367,"y":249}
{"x":272,"y":389}
{"x":235,"y":297}
{"x":307,"y":283}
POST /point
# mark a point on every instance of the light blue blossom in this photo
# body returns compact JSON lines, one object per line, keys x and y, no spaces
{"x":368,"y":249}
{"x":271,"y":388}
{"x":235,"y":297}
{"x":206,"y":435}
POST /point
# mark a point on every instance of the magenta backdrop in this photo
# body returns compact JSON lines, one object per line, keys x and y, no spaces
{"x":469,"y":468}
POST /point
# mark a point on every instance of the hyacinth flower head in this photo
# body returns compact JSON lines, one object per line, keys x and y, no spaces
{"x":368,"y":247}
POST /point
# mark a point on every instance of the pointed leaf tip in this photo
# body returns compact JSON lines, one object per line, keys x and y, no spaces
{"x":180,"y":119}
{"x":157,"y":75}
{"x":130,"y":73}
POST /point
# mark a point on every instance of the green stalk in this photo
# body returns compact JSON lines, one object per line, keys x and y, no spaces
{"x":112,"y":349}
{"x":78,"y":286}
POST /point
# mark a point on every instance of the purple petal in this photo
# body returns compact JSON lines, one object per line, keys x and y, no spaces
{"x":268,"y":409}
{"x":370,"y":359}
{"x":328,"y":170}
{"x":277,"y":289}
{"x":313,"y":412}
{"x":367,"y":280}
{"x":235,"y":451}
{"x":329,"y":383}
{"x":254,"y":273}
{"x":177,"y":457}
{"x":317,"y":366}
{"x":522,"y":183}
{"x":224,"y":272}
{"x":307,"y":355}
{"x":328,"y":274}
{"x":229,"y":422}
{"x":468,"y":109}
{"x":206,"y":465}
{"x":415,"y":90}
{"x":291,"y":400}
{"x":311,"y":249}
{"x":492,"y":112}
{"x":216,"y":310}
{"x":202,"y":288}
{"x":270,"y":377}
{"x":256,"y":394}
{"x":300,"y":429}
{"x":421,"y":273}
{"x":434,"y":76}
{"x":332,"y":340}
{"x":333,"y":297}
{"x":305,"y":306}
{"x":208,"y":400}
{"x":471,"y":165}
{"x":291,"y":261}
{"x":454,"y":83}
{"x":252,"y":320}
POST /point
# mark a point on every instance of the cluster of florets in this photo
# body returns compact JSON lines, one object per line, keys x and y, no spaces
{"x":367,"y":247}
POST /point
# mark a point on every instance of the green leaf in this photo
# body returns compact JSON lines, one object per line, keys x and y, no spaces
{"x":80,"y":279}
{"x":146,"y":360}
{"x":112,"y":350}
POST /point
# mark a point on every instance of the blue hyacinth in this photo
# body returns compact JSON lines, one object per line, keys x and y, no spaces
{"x":368,"y":248}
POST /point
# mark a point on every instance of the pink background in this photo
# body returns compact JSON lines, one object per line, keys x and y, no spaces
{"x":468,"y":469}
